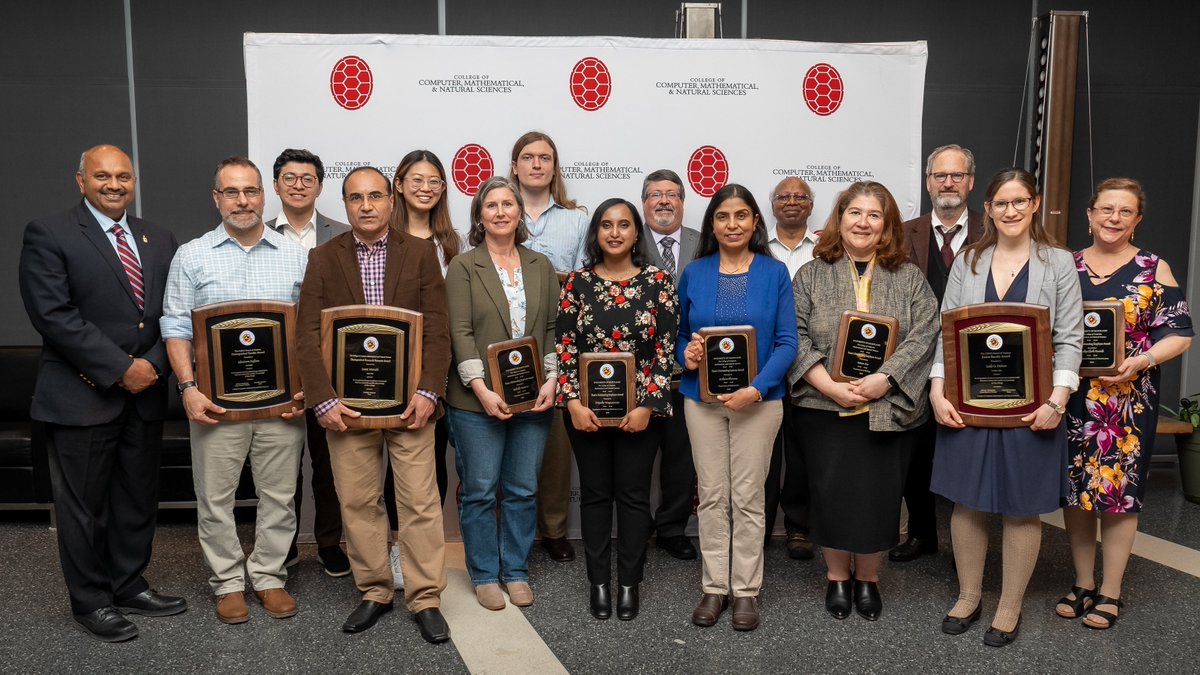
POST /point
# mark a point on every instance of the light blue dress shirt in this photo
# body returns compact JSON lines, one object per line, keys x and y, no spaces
{"x":558,"y":234}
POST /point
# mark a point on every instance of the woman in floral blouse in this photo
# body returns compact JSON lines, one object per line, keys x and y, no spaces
{"x":1111,"y":421}
{"x":616,"y":303}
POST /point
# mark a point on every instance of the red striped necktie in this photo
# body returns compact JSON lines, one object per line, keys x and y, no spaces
{"x":132,"y":268}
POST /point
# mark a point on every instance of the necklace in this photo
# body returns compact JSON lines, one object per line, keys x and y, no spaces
{"x":739,"y":268}
{"x":604,"y":272}
{"x":1093,"y":274}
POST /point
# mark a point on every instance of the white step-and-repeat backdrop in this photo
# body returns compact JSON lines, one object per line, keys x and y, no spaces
{"x":715,"y":111}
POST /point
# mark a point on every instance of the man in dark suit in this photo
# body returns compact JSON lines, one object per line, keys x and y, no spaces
{"x":934,"y":239}
{"x":673,"y":248}
{"x":299,"y":176}
{"x":92,"y":280}
{"x":377,"y":265}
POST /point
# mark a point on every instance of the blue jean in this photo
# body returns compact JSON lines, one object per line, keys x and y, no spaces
{"x":493,"y":453}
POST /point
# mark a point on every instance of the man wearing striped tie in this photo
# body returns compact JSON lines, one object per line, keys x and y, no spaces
{"x":92,"y":281}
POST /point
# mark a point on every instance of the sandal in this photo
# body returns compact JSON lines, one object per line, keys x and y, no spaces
{"x":1084,"y":600}
{"x":1107,"y":616}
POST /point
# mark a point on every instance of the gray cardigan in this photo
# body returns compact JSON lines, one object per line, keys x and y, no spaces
{"x":1053,"y":283}
{"x":823,"y":291}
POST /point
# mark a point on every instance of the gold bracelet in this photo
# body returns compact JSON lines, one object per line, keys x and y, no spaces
{"x":1150,"y":359}
{"x":1056,"y":407}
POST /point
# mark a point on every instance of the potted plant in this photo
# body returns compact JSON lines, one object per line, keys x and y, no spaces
{"x":1189,"y":447}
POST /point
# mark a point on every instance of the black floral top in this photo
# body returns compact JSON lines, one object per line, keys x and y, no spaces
{"x":638,"y":315}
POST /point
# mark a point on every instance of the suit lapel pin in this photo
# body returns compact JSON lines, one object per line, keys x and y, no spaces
{"x":145,"y":239}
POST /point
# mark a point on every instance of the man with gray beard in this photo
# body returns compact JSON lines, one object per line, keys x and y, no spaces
{"x":241,"y":259}
{"x":934,"y":239}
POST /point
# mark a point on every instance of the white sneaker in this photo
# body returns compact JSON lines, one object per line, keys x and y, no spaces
{"x":397,"y":573}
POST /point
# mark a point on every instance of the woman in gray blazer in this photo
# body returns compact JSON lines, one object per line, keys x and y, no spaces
{"x":858,"y":435}
{"x":1019,"y":473}
{"x":498,"y":291}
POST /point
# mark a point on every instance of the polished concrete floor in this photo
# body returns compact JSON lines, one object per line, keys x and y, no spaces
{"x":1158,"y":630}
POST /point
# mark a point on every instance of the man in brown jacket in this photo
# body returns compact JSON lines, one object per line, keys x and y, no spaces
{"x":373,"y":264}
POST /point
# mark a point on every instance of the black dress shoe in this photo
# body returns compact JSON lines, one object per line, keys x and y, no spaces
{"x":678,"y":546}
{"x":365,"y":616}
{"x":559,"y":549}
{"x":999,"y":638}
{"x":433,"y":625}
{"x":867,"y":602}
{"x":953,"y":625}
{"x":799,"y":546}
{"x":837,"y":598}
{"x":600,"y":601}
{"x":106,"y":625}
{"x":151,"y":603}
{"x":912,"y":549}
{"x":627,"y":602}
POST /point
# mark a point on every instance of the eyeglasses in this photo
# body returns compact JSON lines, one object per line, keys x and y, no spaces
{"x":797,"y":197}
{"x":957,"y":177}
{"x":670,"y":194}
{"x":527,"y":158}
{"x":307,"y":179}
{"x":434,"y":184}
{"x":357,"y":198}
{"x":232,"y":193}
{"x":1108,"y":211}
{"x":1000,"y":208}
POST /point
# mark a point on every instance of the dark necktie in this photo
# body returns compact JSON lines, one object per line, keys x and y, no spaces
{"x":947,"y":249}
{"x":133,"y":269}
{"x":668,"y":253}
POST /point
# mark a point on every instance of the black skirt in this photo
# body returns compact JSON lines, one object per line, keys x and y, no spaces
{"x":856,"y":479}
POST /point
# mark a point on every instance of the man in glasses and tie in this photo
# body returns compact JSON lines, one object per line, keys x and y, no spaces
{"x":934,"y":239}
{"x":673,"y":248}
{"x":240,"y":259}
{"x":299,"y":177}
{"x":791,"y":241}
{"x":92,"y":281}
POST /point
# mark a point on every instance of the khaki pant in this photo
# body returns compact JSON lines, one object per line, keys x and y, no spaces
{"x":357,"y":467}
{"x":218,"y":454}
{"x":732,"y":453}
{"x":554,"y":483}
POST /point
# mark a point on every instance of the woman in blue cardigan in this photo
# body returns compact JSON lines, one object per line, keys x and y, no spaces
{"x":734,"y":281}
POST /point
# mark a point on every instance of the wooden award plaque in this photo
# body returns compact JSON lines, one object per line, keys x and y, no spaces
{"x":373,"y":356}
{"x":1103,"y":338}
{"x":730,"y":360}
{"x":864,"y":342}
{"x":608,"y":385}
{"x":243,"y":355}
{"x":515,"y":372}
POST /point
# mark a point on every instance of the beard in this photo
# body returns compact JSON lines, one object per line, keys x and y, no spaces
{"x":663,"y":217}
{"x":243,"y":222}
{"x":948,"y":201}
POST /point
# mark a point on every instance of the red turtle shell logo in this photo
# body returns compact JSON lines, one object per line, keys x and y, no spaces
{"x":591,"y":83}
{"x":472,"y":165}
{"x":823,"y":89}
{"x":351,"y":82}
{"x":707,"y":170}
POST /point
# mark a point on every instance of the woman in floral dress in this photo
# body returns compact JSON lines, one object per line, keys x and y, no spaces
{"x":1111,"y":420}
{"x":617,"y":303}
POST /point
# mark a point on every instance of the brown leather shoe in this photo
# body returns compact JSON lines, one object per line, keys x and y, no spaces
{"x":558,"y":548}
{"x":278,"y":603}
{"x":709,"y":609}
{"x":490,"y":597}
{"x":520,"y":593}
{"x":231,"y":608}
{"x":745,"y":613}
{"x":799,"y":546}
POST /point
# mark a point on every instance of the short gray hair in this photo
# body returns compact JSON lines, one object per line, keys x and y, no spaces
{"x":661,"y":174}
{"x":953,"y":146}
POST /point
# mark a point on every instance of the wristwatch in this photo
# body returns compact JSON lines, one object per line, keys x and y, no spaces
{"x":183,"y":386}
{"x":1056,"y":407}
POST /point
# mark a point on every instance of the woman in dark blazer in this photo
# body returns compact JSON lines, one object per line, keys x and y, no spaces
{"x":617,"y":303}
{"x":498,"y":291}
{"x":858,"y":435}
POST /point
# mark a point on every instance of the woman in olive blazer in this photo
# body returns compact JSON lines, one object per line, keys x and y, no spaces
{"x":498,"y":291}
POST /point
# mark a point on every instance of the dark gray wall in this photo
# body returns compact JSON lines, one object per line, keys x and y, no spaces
{"x":63,"y":84}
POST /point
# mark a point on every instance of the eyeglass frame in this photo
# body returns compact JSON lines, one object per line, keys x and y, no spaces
{"x":231,"y":193}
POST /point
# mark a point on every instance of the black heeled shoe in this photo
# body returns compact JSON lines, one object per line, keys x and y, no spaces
{"x":867,"y":602}
{"x":954,"y":625}
{"x":627,"y":602}
{"x":601,"y":601}
{"x":837,"y":599}
{"x":998,"y":638}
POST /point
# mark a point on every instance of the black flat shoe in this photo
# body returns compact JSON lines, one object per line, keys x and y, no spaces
{"x":365,"y":616}
{"x":867,"y":602}
{"x":912,"y":549}
{"x":151,"y":603}
{"x":953,"y":625}
{"x":559,"y":549}
{"x":432,"y":625}
{"x":999,"y":638}
{"x":106,"y":625}
{"x":1084,"y":600}
{"x":627,"y":602}
{"x":600,"y":601}
{"x":679,"y":547}
{"x":837,"y":598}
